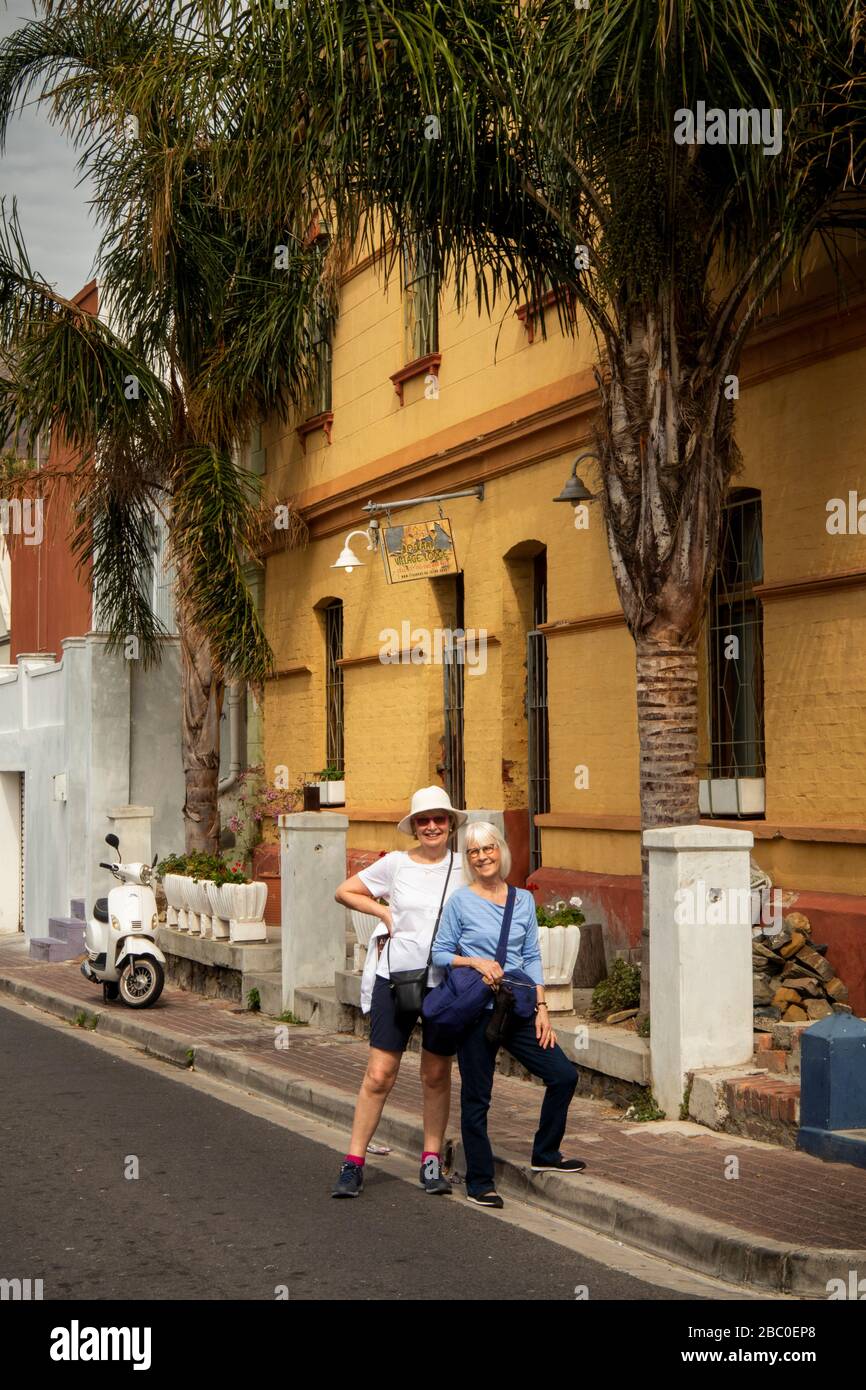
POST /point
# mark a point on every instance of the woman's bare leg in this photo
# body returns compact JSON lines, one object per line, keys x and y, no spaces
{"x":436,"y":1082}
{"x":379,"y":1078}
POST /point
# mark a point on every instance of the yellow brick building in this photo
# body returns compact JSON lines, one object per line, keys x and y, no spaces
{"x":494,"y":401}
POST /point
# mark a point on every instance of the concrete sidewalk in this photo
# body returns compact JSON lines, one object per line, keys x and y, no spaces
{"x":786,"y":1223}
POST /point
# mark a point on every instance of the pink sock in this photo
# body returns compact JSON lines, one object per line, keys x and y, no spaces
{"x":428,"y":1153}
{"x":354,"y":1158}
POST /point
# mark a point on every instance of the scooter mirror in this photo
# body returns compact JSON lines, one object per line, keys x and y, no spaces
{"x":155,"y":857}
{"x":113,"y":841}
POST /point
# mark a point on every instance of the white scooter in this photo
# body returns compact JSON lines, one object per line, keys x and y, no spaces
{"x":122,"y":954}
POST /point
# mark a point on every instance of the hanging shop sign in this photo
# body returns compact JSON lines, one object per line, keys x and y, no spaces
{"x":421,"y":551}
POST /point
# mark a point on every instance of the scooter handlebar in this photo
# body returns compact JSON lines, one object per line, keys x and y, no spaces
{"x":103,"y":865}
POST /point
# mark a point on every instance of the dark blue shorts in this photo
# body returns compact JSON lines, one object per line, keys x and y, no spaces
{"x":391,"y":1031}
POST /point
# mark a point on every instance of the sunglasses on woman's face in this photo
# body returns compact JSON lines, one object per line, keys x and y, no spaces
{"x":431,"y":820}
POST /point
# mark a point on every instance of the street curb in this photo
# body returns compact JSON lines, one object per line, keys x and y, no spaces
{"x":644,"y":1223}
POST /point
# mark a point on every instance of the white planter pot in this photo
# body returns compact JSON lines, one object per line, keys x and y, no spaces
{"x":246,"y":910}
{"x":199,"y":905}
{"x":559,"y":948}
{"x":184,"y":915}
{"x":332,"y":793}
{"x":364,"y":925}
{"x":732,"y":796}
{"x":219,"y":915}
{"x":173,"y":889}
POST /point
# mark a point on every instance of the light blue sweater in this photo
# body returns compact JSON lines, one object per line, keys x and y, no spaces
{"x":471,"y":925}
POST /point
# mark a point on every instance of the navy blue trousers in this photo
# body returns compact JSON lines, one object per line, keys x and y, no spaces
{"x":476,"y":1058}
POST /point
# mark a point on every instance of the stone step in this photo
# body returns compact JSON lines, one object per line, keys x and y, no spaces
{"x":257,"y":956}
{"x":78,"y":908}
{"x":269,"y":984}
{"x":743,"y":1100}
{"x":68,"y":929}
{"x":322,"y":1009}
{"x":50,"y":949}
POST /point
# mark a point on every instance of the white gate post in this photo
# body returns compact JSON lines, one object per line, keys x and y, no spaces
{"x":701,"y":1009}
{"x":313,"y":933}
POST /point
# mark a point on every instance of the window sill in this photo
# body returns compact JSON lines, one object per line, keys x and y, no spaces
{"x":528,"y":313}
{"x":420,"y":367}
{"x":323,"y":422}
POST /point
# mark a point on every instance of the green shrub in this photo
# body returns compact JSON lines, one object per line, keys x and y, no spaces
{"x":621,"y":990}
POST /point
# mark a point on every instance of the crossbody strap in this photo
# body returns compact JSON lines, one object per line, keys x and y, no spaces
{"x":438,"y":917}
{"x":502,"y":948}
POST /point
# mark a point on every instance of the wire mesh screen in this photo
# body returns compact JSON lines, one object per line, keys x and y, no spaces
{"x":736,"y":647}
{"x":334,"y":684}
{"x":421,"y":304}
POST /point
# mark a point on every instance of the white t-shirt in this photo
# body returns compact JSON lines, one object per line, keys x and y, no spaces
{"x":413,"y":892}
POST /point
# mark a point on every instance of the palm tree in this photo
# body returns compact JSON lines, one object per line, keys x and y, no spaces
{"x":564,"y":157}
{"x":204,"y":337}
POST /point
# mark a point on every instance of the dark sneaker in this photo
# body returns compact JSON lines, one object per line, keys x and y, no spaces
{"x":431,"y":1177}
{"x":486,"y":1199}
{"x":350,"y":1182}
{"x":562,"y":1165}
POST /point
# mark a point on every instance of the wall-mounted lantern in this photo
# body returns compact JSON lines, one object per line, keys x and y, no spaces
{"x":574,"y":490}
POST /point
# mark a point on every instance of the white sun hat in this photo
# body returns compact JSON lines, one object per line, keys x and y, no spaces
{"x":430,"y":799}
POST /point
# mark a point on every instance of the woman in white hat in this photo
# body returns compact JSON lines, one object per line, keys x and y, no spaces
{"x":415,"y":885}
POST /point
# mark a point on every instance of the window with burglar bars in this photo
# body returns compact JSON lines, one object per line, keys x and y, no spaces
{"x":736,"y":647}
{"x":453,"y":669}
{"x":536,"y":710}
{"x":334,"y":684}
{"x":420,"y":302}
{"x":164,"y":577}
{"x":323,"y":327}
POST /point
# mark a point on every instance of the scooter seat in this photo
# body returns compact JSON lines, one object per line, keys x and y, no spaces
{"x":100,"y":909}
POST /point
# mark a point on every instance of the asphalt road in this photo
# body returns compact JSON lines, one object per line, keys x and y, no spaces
{"x":228,"y":1205}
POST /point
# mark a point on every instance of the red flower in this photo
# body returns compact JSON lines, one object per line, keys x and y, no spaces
{"x":533,"y":887}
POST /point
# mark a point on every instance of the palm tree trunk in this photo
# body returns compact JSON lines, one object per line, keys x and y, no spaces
{"x":201,"y":706}
{"x":667,"y":711}
{"x":665,"y":437}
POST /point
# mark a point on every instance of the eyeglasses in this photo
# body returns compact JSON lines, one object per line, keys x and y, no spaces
{"x":433,"y":820}
{"x":487,"y":850}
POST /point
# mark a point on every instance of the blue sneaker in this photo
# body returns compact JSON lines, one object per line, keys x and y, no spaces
{"x":350,"y":1181}
{"x":431,"y":1177}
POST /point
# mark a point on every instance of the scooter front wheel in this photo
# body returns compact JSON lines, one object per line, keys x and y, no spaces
{"x":141,"y":982}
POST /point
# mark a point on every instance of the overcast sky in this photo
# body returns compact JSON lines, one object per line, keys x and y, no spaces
{"x":38,"y":168}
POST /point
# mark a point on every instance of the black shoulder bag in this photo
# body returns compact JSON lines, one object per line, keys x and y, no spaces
{"x":410,"y":986}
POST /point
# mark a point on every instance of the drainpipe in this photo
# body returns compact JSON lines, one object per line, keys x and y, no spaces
{"x":235,"y":696}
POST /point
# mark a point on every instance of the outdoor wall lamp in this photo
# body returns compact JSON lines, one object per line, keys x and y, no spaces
{"x":574,"y":490}
{"x":348,"y":560}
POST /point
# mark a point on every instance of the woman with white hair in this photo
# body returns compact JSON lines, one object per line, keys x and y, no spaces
{"x":470,"y":938}
{"x":415,"y":885}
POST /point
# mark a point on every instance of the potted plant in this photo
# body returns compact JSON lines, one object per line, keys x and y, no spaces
{"x":170,"y":872}
{"x":222,"y":903}
{"x":332,"y":786}
{"x":213,"y":898}
{"x":559,"y":924}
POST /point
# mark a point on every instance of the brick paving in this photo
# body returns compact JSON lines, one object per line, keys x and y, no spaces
{"x":779,"y":1193}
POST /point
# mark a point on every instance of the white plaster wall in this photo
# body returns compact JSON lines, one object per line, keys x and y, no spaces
{"x":10,"y":850}
{"x":115,"y":732}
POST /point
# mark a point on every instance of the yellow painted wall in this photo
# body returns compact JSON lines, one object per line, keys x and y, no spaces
{"x":803,"y":440}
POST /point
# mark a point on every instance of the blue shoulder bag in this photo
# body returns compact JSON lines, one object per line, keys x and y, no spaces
{"x":463,"y":995}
